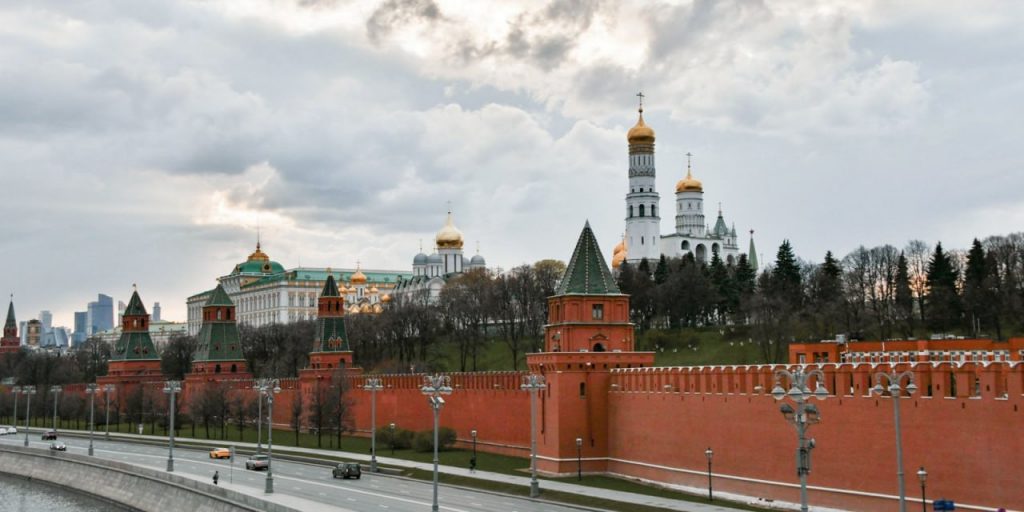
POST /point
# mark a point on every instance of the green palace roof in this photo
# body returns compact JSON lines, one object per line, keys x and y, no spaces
{"x":320,"y":275}
{"x":258,"y":267}
{"x":587,"y":272}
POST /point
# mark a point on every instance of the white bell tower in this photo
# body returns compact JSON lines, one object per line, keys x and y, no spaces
{"x":643,"y":213}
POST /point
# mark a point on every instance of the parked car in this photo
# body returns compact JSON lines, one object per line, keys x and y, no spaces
{"x":220,"y":453}
{"x":347,"y":470}
{"x":49,"y":435}
{"x":4,"y":430}
{"x":11,"y":430}
{"x":257,"y":462}
{"x":58,"y":446}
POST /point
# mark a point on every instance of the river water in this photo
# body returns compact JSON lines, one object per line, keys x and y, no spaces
{"x":20,"y":495}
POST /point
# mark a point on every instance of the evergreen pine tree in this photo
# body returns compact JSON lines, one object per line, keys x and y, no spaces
{"x":661,"y":271}
{"x":904,"y":297}
{"x":722,"y":284}
{"x":975,"y":282}
{"x":943,"y":300}
{"x":786,"y":279}
{"x":744,"y":276}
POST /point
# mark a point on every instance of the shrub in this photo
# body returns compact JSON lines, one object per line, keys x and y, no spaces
{"x":424,"y":441}
{"x":402,"y":438}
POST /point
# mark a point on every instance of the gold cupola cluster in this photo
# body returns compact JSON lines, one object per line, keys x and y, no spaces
{"x":258,"y":255}
{"x":449,"y":237}
{"x":619,"y":253}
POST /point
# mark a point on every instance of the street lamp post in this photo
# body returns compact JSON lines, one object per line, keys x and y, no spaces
{"x":533,"y":383}
{"x":802,"y":417}
{"x":922,"y":475}
{"x":709,"y":453}
{"x":28,"y":391}
{"x":472,"y":465}
{"x":579,"y":459}
{"x":259,"y":417}
{"x":895,"y":391}
{"x":107,"y":388}
{"x":433,"y":387}
{"x":91,"y":390}
{"x":56,"y":397}
{"x":392,"y":439}
{"x":171,"y":387}
{"x":269,"y":387}
{"x":373,"y":385}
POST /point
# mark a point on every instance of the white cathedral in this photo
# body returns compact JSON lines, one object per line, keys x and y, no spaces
{"x":643,"y":238}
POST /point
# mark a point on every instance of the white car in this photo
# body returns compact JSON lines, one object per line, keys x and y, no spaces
{"x":12,"y":430}
{"x":4,"y":430}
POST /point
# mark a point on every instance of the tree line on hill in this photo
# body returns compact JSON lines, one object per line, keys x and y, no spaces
{"x":881,"y":292}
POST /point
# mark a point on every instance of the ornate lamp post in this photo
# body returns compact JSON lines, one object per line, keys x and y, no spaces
{"x":392,"y":439}
{"x":28,"y":391}
{"x":802,"y":417}
{"x":373,"y":385}
{"x":433,"y":387}
{"x":56,"y":397}
{"x":579,"y":459}
{"x":107,"y":388}
{"x":171,"y":387}
{"x":268,"y":388}
{"x":91,"y":390}
{"x":709,"y":453}
{"x":472,"y":433}
{"x":895,"y":390}
{"x":259,"y":417}
{"x":922,"y":475}
{"x":533,"y":383}
{"x":17,"y":392}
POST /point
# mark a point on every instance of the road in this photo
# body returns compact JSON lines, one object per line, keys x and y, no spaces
{"x":308,"y":481}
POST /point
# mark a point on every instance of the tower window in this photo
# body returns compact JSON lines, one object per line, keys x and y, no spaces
{"x":654,"y":210}
{"x":641,"y":210}
{"x":583,"y":389}
{"x":597,"y":311}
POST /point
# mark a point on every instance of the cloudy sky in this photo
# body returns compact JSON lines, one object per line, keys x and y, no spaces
{"x":143,"y":142}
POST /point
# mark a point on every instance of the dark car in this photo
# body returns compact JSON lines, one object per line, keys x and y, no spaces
{"x":347,"y":470}
{"x":257,"y":462}
{"x":49,"y":435}
{"x":58,"y":446}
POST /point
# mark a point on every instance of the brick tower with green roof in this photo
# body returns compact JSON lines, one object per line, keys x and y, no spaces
{"x":587,"y":335}
{"x":10,"y":341}
{"x":134,"y":359}
{"x":331,"y":350}
{"x":218,"y":345}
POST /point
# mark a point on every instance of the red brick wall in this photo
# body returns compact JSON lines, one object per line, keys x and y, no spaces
{"x":971,"y":446}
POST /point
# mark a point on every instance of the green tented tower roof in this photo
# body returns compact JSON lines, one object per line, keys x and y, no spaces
{"x":587,"y":272}
{"x":135,"y":306}
{"x":330,"y":287}
{"x":11,"y":322}
{"x":134,"y":346}
{"x":218,"y":341}
{"x":219,"y":297}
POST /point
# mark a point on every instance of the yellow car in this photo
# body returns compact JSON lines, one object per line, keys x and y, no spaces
{"x":220,"y":453}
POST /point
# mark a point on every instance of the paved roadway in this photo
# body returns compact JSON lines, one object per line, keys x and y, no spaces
{"x":374,"y":492}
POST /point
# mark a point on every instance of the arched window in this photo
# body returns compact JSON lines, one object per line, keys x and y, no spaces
{"x":216,"y":369}
{"x":654,"y":210}
{"x":630,"y":211}
{"x":583,"y":389}
{"x":641,"y":210}
{"x":234,"y":368}
{"x":685,"y":245}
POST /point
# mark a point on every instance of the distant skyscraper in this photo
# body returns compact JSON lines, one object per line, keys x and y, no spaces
{"x":46,"y":318}
{"x":120,"y":311}
{"x":156,"y":311}
{"x":100,"y":314}
{"x":80,"y":333}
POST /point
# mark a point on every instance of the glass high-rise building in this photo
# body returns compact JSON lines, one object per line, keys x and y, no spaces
{"x":80,"y":333}
{"x":100,"y":314}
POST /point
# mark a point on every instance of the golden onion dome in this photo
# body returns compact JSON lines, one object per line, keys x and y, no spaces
{"x":449,"y":237}
{"x":385,"y":298}
{"x":640,"y":133}
{"x":258,"y":255}
{"x":359,"y":277}
{"x":689,"y":183}
{"x":373,"y":289}
{"x":619,"y":253}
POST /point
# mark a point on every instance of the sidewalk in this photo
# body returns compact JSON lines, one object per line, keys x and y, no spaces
{"x":524,"y":481}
